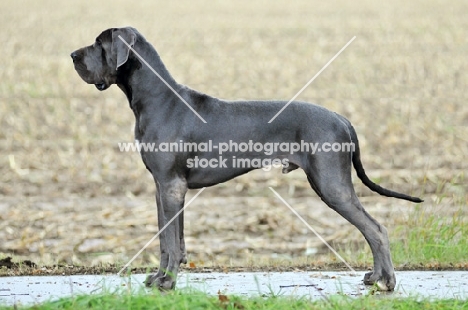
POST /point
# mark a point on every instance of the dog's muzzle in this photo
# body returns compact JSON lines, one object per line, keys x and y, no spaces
{"x":101,"y":86}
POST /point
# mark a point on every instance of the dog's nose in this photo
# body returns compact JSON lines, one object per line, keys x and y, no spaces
{"x":74,"y":56}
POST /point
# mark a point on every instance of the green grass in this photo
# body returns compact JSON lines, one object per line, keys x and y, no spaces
{"x":422,"y":239}
{"x":177,"y":300}
{"x":431,"y":239}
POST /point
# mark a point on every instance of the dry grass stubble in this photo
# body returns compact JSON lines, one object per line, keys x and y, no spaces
{"x":68,"y":194}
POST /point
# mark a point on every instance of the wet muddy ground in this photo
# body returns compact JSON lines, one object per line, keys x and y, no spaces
{"x":314,"y":285}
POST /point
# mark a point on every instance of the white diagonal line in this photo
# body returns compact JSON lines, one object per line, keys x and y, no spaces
{"x":313,"y":230}
{"x":311,"y":80}
{"x":160,"y":231}
{"x":163,"y":80}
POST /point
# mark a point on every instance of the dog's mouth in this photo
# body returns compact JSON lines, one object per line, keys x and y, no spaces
{"x":101,"y":86}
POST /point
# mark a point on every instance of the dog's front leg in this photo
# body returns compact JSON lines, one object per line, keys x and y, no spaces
{"x":170,"y":200}
{"x":183,"y":259}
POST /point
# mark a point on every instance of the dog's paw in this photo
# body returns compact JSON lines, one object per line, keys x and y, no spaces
{"x":382,"y":283}
{"x":162,"y":283}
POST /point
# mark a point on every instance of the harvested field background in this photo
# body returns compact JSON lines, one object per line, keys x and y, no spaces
{"x":68,"y":194}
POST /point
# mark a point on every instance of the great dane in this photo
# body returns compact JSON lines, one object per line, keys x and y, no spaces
{"x":122,"y":56}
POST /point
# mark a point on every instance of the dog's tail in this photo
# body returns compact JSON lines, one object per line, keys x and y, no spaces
{"x":356,"y":157}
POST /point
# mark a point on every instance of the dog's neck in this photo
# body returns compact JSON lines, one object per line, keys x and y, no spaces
{"x":146,"y":85}
{"x":153,"y":83}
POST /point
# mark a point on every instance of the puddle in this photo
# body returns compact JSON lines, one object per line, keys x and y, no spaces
{"x":314,"y":285}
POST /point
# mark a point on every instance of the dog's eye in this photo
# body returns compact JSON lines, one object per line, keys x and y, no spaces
{"x":98,"y":43}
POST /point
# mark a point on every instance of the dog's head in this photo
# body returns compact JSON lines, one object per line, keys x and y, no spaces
{"x":98,"y":63}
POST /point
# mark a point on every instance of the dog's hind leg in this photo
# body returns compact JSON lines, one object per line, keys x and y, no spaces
{"x":330,"y":176}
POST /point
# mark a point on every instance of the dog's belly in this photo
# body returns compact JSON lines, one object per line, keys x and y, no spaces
{"x":207,"y":169}
{"x":204,"y":177}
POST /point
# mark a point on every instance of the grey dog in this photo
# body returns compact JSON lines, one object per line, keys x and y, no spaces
{"x":122,"y":56}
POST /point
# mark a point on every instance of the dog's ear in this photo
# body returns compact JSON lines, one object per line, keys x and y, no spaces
{"x":122,"y":40}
